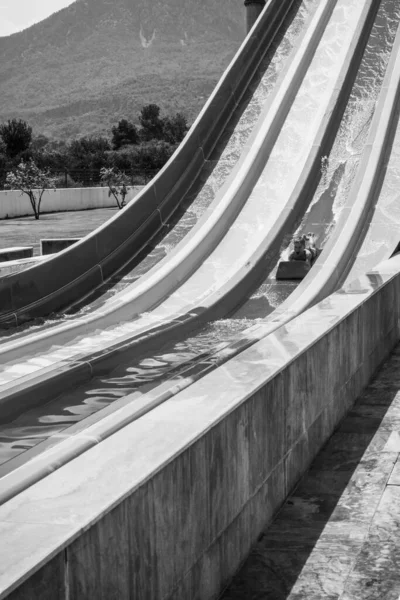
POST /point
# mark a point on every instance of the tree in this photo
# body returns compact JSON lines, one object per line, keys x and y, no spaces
{"x":124,"y":134}
{"x":175,"y":128}
{"x":87,"y":147}
{"x":5,"y":163}
{"x":32,"y":181}
{"x":152,"y":125}
{"x":17,"y":136}
{"x":153,"y":156}
{"x":88,"y":154}
{"x":39,"y":143}
{"x":117,"y":183}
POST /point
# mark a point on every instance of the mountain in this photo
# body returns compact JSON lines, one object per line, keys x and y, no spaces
{"x":97,"y":61}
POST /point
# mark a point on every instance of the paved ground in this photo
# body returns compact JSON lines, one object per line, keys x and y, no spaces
{"x":25,"y":231}
{"x":338,"y":535}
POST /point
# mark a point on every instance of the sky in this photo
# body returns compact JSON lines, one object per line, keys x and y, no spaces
{"x":19,"y":14}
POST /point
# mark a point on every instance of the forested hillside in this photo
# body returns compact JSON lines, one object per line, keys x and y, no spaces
{"x":97,"y":61}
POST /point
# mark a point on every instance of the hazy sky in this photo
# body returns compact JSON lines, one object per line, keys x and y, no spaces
{"x":19,"y":14}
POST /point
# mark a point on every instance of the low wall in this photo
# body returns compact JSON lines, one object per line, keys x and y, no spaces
{"x":15,"y":253}
{"x":15,"y":266}
{"x":51,"y":246}
{"x":13,"y":204}
{"x":170,"y":505}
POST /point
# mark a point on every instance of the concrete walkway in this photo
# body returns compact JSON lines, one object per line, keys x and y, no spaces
{"x":338,"y":534}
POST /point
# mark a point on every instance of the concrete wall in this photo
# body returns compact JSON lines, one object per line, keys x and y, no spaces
{"x":13,"y":204}
{"x":16,"y":266}
{"x":169,"y":506}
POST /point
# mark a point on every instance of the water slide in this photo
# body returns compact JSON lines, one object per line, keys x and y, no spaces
{"x":365,"y":12}
{"x":252,"y":188}
{"x":73,"y":273}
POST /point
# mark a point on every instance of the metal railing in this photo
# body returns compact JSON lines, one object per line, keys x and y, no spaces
{"x":91,"y":177}
{"x":72,"y":178}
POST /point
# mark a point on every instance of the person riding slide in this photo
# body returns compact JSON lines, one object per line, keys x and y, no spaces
{"x":309,"y":239}
{"x":300,"y":252}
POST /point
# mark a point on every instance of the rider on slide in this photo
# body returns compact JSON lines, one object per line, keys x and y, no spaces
{"x":304,"y":249}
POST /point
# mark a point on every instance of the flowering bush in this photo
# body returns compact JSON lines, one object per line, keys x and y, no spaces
{"x":32,"y":181}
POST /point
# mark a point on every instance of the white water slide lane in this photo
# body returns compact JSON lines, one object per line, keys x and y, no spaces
{"x":270,"y":193}
{"x":115,"y":418}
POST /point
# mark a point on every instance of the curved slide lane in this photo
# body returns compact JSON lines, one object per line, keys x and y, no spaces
{"x":228,"y":149}
{"x":382,"y":229}
{"x":317,"y":110}
{"x":341,"y":251}
{"x":180,"y":263}
{"x":85,"y":438}
{"x":73,"y":273}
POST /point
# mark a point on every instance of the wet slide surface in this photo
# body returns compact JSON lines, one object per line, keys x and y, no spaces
{"x":118,"y":385}
{"x":248,"y":119}
{"x":127,"y":378}
{"x":339,"y":168}
{"x":46,"y":351}
{"x":210,"y":180}
{"x":336,"y":535}
{"x":258,"y":93}
{"x":383,"y":234}
{"x":306,"y":116}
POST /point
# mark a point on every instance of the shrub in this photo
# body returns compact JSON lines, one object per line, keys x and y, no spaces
{"x":152,"y":125}
{"x":124,"y":134}
{"x":16,"y":136}
{"x":117,"y":183}
{"x":32,"y":181}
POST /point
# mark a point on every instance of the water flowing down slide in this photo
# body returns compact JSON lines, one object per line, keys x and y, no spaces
{"x":217,"y":216}
{"x":299,"y":381}
{"x":191,"y":253}
{"x":256,"y":192}
{"x":381,"y":235}
{"x":75,"y":272}
{"x":365,"y":12}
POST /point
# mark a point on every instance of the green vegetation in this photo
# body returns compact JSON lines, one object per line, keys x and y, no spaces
{"x":137,"y":151}
{"x":32,"y":181}
{"x":96,"y":61}
{"x":117,"y":183}
{"x":16,"y":136}
{"x":124,"y":134}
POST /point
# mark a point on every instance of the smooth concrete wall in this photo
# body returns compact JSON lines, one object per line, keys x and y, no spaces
{"x":14,"y":204}
{"x":168,"y":507}
{"x":15,"y":266}
{"x":15,"y":253}
{"x":50,"y":246}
